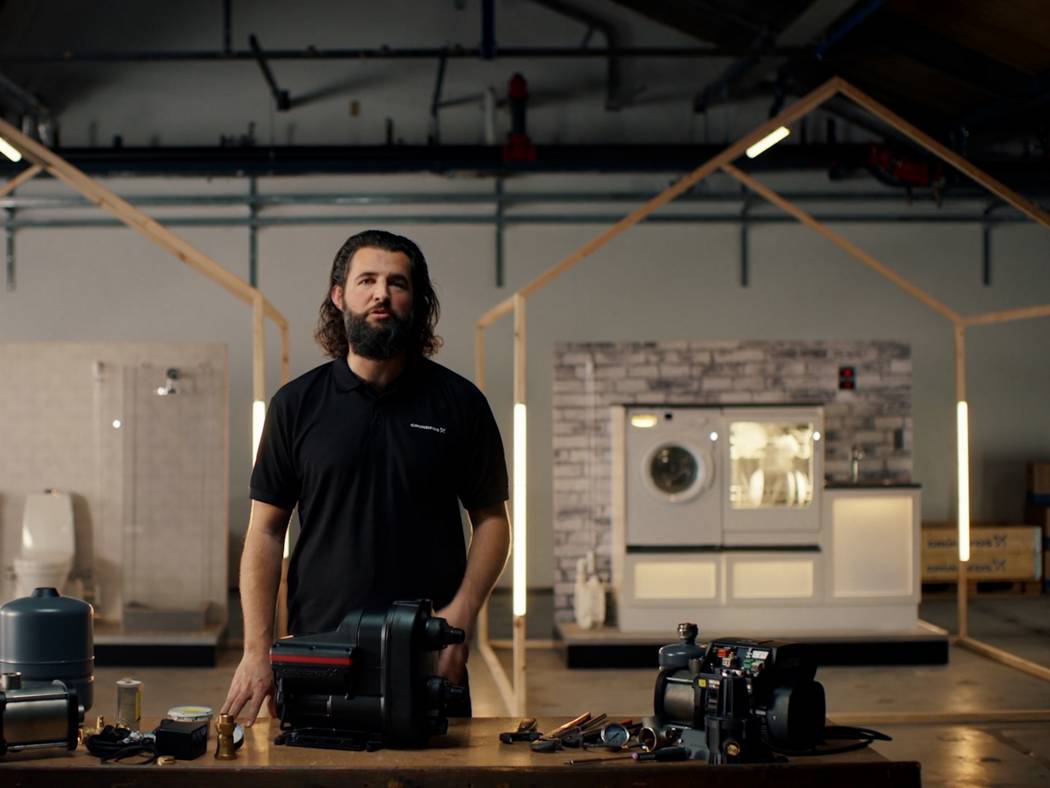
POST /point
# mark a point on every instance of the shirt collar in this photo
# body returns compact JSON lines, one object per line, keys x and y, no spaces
{"x":346,"y":379}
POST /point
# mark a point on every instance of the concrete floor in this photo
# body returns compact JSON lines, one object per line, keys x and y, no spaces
{"x":973,"y":754}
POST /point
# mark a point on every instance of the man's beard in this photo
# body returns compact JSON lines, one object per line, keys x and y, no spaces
{"x":378,"y":341}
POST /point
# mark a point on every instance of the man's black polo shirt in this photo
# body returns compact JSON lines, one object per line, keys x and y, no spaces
{"x":377,"y":478}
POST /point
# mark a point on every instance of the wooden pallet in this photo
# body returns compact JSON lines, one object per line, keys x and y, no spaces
{"x":934,"y":590}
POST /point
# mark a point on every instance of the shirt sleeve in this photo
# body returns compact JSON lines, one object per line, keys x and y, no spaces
{"x":483,"y":476}
{"x":274,"y":479}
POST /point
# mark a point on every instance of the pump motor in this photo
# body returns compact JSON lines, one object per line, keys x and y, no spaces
{"x":369,"y":684}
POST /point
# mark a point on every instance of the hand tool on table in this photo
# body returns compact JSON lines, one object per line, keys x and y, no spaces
{"x":526,"y":731}
{"x":575,"y":737}
{"x":552,"y":742}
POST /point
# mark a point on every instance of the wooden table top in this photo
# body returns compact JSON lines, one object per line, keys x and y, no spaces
{"x":469,"y":753}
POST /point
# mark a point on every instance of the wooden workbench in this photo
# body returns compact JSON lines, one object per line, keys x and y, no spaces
{"x":470,"y":754}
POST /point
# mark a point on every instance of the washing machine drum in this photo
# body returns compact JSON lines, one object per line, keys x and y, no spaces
{"x":676,"y":471}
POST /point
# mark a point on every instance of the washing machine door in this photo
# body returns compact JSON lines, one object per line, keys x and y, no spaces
{"x":672,"y":494}
{"x":675,"y":471}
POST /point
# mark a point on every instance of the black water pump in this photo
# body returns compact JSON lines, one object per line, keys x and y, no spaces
{"x":369,"y":684}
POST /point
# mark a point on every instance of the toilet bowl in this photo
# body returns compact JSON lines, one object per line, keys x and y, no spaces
{"x":48,"y":543}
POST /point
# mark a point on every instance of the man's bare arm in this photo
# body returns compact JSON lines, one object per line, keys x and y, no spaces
{"x":260,"y":579}
{"x":488,"y":555}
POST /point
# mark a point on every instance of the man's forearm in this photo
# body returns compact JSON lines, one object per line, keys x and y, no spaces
{"x":489,"y":546}
{"x":260,"y":578}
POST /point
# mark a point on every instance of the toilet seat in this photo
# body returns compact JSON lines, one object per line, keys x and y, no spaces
{"x":48,"y":542}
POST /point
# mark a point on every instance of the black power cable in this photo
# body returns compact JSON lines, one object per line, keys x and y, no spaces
{"x":113,"y":745}
{"x":859,"y":737}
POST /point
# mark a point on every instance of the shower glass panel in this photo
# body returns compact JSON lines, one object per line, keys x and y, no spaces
{"x":172,"y":428}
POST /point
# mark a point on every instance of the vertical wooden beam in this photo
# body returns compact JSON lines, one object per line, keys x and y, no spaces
{"x":521,"y":584}
{"x":499,"y":674}
{"x":258,"y":349}
{"x":520,"y":347}
{"x":479,"y":357}
{"x":285,"y":352}
{"x":479,"y":381}
{"x":962,"y":590}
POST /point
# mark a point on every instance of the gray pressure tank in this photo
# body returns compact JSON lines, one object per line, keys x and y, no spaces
{"x":46,"y":637}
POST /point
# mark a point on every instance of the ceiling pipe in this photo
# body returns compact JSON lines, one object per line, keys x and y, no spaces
{"x":1023,"y":173}
{"x":614,"y":99}
{"x":281,"y":97}
{"x":392,"y":53}
{"x":488,"y":29}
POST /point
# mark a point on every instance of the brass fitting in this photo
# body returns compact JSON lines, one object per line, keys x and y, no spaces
{"x":224,"y":749}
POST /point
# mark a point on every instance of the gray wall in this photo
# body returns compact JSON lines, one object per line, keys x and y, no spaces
{"x":656,"y":282}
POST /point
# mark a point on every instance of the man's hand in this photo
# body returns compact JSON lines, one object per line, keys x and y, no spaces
{"x":452,"y":660}
{"x":252,"y":683}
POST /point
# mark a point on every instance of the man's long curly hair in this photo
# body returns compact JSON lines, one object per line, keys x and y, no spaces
{"x":331,"y":327}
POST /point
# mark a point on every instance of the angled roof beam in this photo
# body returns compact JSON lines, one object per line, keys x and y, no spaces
{"x":45,"y":159}
{"x":24,"y":176}
{"x":842,"y":242}
{"x":964,"y":166}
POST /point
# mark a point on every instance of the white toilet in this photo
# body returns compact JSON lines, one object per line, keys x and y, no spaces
{"x":48,"y":543}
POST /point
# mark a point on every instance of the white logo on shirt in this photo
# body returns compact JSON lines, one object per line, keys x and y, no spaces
{"x":440,"y":430}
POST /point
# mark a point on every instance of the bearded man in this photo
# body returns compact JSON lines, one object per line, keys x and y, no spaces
{"x":378,"y":449}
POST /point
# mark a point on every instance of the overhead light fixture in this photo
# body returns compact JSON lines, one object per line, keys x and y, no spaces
{"x":10,"y":151}
{"x":768,"y":141}
{"x":963,"y":459}
{"x":643,"y":420}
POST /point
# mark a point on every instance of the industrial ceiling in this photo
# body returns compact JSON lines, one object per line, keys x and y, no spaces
{"x":612,"y":86}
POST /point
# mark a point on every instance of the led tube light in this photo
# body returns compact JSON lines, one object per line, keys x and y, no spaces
{"x":963,"y":454}
{"x":258,"y":417}
{"x":768,"y":141}
{"x":8,"y":150}
{"x":520,"y":583}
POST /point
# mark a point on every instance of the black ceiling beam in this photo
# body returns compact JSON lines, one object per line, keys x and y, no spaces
{"x":1033,"y":106}
{"x":712,"y":21}
{"x":306,"y":160}
{"x":391,"y":53}
{"x":808,"y":28}
{"x":614,"y":98}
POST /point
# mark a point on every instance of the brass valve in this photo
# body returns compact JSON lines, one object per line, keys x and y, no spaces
{"x":224,"y":750}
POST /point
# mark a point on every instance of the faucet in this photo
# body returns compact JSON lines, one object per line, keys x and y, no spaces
{"x":856,"y":454}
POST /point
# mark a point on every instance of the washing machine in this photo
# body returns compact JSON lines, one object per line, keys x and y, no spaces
{"x":672,"y":476}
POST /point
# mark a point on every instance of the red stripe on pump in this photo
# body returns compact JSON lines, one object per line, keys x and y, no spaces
{"x":311,"y":660}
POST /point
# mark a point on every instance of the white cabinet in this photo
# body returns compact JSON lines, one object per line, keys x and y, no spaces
{"x":735,"y":529}
{"x":872,"y":542}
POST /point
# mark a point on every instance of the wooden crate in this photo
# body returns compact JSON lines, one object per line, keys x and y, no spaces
{"x":997,"y":553}
{"x":984,"y":537}
{"x":934,"y":590}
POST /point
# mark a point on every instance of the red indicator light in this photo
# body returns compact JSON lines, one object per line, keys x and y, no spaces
{"x":847,"y":377}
